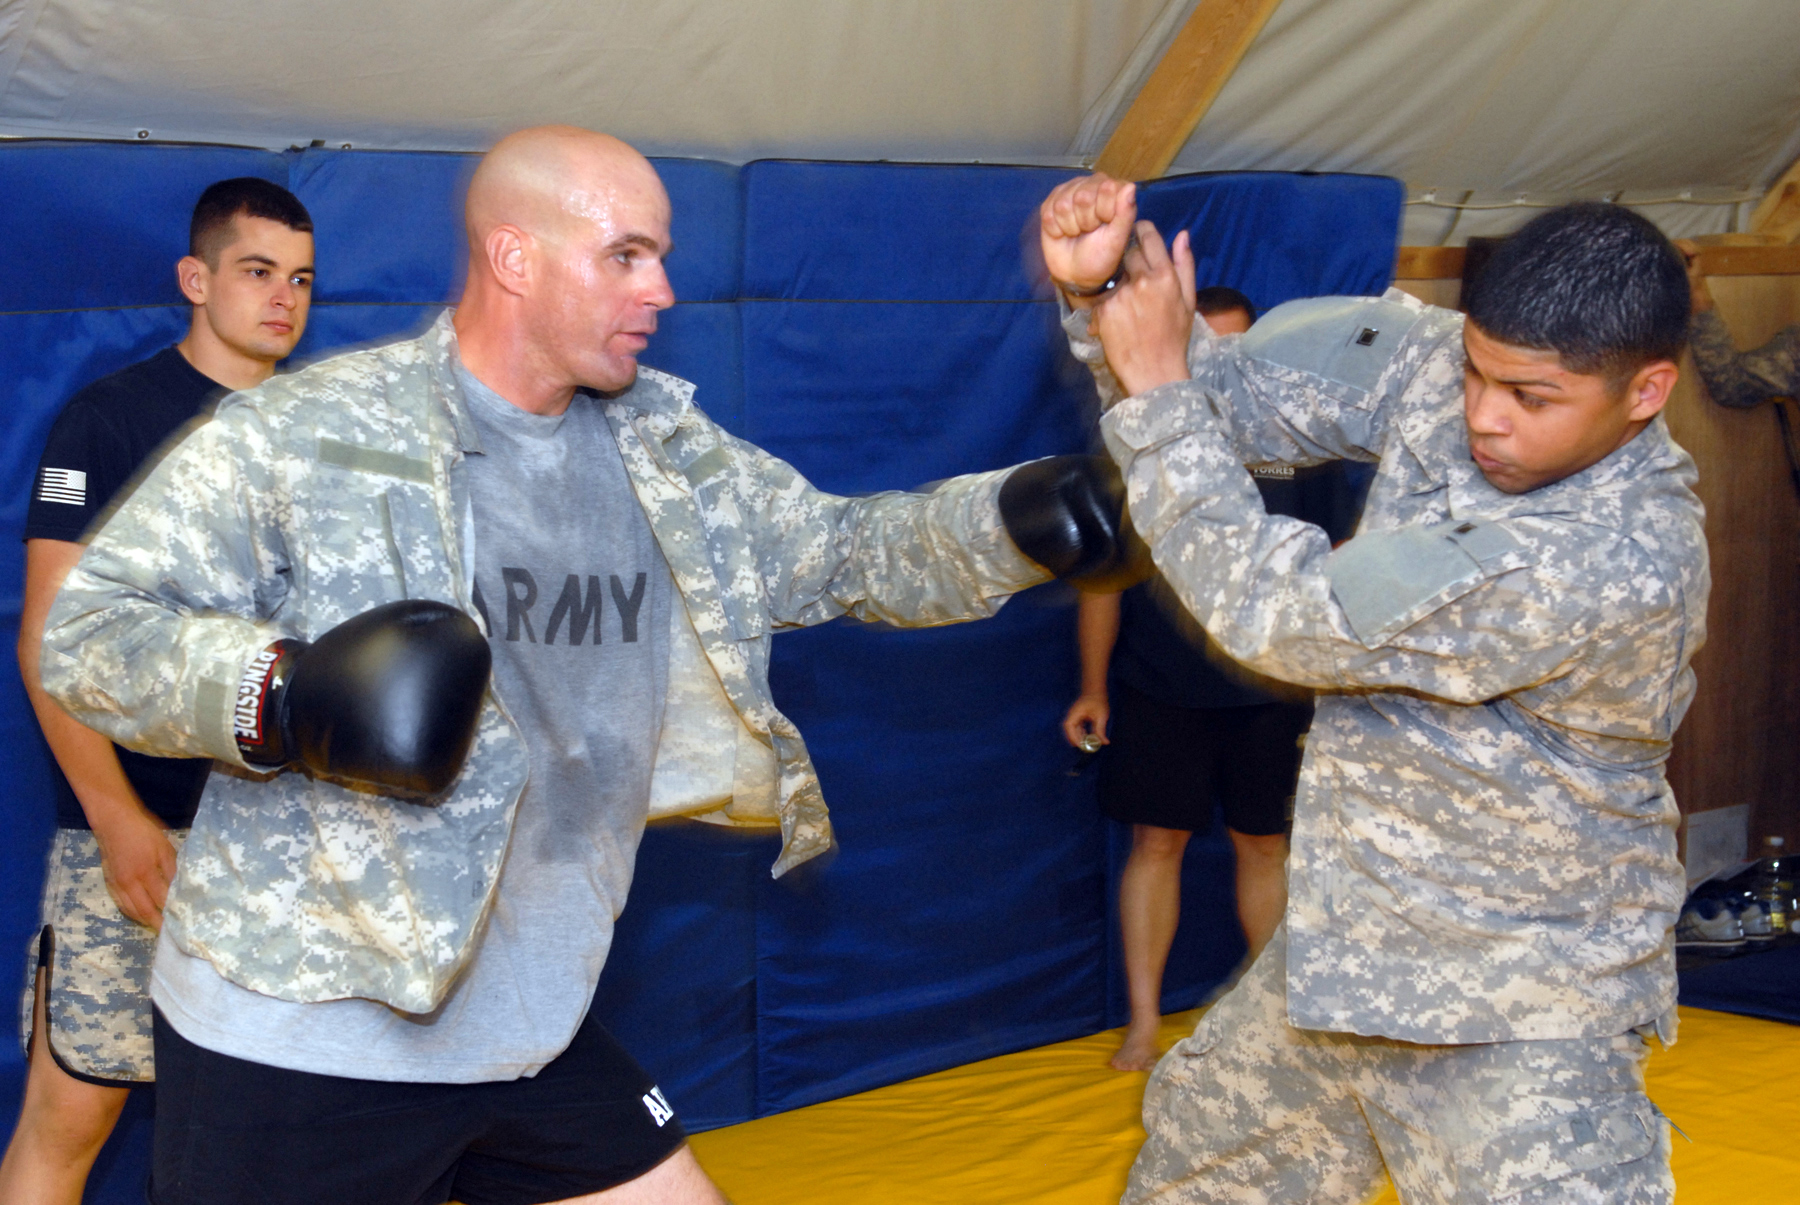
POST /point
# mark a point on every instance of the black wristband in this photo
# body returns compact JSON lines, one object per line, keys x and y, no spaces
{"x":1100,"y":290}
{"x":1106,"y":286}
{"x":256,"y":719}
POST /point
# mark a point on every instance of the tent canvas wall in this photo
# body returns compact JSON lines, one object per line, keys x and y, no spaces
{"x":1686,"y":108}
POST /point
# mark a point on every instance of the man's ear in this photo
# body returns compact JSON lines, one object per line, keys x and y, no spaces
{"x":1650,"y":388}
{"x":508,"y":258}
{"x":192,"y":274}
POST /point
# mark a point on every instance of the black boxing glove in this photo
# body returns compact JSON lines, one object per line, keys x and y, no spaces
{"x":389,"y":699}
{"x":1067,"y":513}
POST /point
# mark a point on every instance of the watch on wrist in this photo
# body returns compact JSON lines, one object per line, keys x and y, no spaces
{"x":1100,"y":290}
{"x":1118,"y":277}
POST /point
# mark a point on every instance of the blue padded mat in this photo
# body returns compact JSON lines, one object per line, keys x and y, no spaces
{"x":1762,"y":984}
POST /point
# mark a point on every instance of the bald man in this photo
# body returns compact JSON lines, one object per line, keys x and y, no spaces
{"x":362,"y":999}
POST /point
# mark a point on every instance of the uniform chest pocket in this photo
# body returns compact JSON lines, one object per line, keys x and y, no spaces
{"x":366,"y":537}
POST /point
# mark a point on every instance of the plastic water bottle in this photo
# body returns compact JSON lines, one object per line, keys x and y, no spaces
{"x":1773,"y":885}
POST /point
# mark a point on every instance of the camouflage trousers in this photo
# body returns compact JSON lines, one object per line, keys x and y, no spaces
{"x":1253,"y":1111}
{"x":98,"y":995}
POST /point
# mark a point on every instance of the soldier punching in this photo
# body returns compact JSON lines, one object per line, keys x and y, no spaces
{"x":333,"y":952}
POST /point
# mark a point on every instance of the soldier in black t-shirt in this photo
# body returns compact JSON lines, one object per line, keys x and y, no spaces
{"x":1192,"y":731}
{"x":121,"y":815}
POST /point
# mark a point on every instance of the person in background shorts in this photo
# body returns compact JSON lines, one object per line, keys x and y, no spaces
{"x":1192,"y":732}
{"x":121,"y":815}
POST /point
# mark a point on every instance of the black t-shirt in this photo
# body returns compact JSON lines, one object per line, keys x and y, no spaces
{"x":96,"y":448}
{"x":1163,"y":652}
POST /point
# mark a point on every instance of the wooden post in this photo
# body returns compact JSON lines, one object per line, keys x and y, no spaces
{"x":1183,"y":87}
{"x":1778,"y":213}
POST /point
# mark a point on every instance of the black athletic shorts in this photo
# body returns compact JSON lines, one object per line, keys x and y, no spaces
{"x":233,"y":1131}
{"x":1171,"y":766}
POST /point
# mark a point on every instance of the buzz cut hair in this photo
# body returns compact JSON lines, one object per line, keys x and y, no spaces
{"x":1595,"y":283}
{"x":211,"y":229}
{"x":1222,"y":299}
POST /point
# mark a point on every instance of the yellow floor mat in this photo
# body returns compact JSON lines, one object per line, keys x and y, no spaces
{"x":1056,"y":1126}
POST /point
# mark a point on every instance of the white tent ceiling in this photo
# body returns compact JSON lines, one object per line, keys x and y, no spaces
{"x":1688,"y":107}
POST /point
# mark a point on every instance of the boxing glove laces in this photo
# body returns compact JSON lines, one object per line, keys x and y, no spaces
{"x":388,"y":700}
{"x":1067,"y":513}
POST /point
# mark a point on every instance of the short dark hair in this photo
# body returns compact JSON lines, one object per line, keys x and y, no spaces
{"x":1597,"y":284}
{"x":210,"y":231}
{"x":1222,"y":299}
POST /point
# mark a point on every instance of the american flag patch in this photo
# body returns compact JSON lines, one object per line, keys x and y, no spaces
{"x":62,"y":485}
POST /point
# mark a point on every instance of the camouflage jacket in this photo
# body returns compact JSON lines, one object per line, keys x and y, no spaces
{"x":1484,"y":841}
{"x":321,"y":494}
{"x":1744,"y":378}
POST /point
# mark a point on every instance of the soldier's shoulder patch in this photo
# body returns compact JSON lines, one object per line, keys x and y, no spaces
{"x":1386,"y":581}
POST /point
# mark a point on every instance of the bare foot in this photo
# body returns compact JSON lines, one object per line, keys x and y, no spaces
{"x":1138,"y":1052}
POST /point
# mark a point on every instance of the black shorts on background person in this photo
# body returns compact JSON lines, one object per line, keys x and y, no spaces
{"x":1175,"y":767}
{"x":1189,"y":733}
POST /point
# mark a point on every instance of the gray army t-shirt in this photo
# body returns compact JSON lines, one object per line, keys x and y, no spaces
{"x":576,"y":597}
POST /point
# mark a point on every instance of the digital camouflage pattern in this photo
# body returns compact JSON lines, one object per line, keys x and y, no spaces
{"x":1484,"y":840}
{"x":1744,"y":378}
{"x":323,"y":493}
{"x":99,"y":990}
{"x":1252,"y":1110}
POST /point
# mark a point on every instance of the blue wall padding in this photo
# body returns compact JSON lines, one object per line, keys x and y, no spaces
{"x":707,"y":227}
{"x":889,"y":231}
{"x":878,"y":325}
{"x":1275,"y":236}
{"x":818,"y":376}
{"x":908,"y":952}
{"x":387,"y":227}
{"x":81,"y":233}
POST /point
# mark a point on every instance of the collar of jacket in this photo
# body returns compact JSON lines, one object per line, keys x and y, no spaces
{"x":1600,"y":494}
{"x":1437,"y":434}
{"x":660,"y":398}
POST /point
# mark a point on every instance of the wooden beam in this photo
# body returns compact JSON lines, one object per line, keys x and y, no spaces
{"x":1778,"y":213}
{"x":1183,"y":87}
{"x":1446,"y":263}
{"x":1750,"y":261}
{"x":1429,"y":263}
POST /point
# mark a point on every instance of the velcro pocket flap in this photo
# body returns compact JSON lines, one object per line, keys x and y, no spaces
{"x":1386,"y":581}
{"x":1542,"y":1152}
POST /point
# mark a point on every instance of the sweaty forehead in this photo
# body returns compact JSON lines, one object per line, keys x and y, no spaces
{"x":618,"y":204}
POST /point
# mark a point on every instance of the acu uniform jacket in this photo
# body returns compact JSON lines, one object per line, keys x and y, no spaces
{"x":1484,"y":840}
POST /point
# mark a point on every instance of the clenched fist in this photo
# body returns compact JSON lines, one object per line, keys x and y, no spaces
{"x":1084,"y":227}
